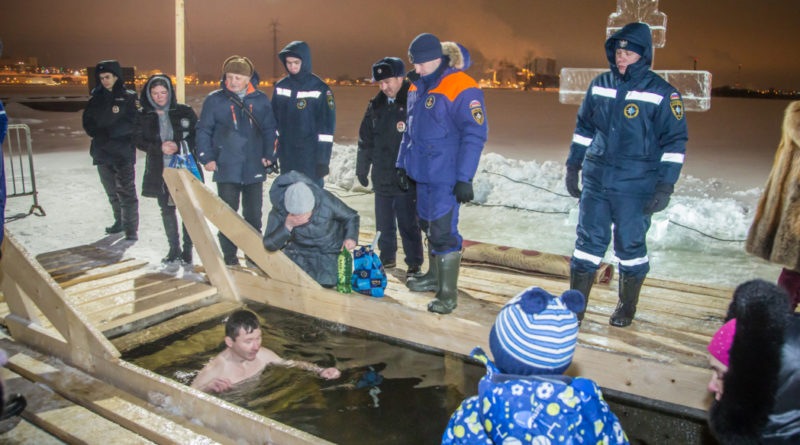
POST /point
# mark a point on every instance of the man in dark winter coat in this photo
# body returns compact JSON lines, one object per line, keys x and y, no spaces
{"x":236,"y":141}
{"x":630,"y":140}
{"x":306,"y":115}
{"x":755,"y":358}
{"x":310,"y":225}
{"x":108,"y":119}
{"x":162,"y":127}
{"x":378,"y":143}
{"x":440,"y":151}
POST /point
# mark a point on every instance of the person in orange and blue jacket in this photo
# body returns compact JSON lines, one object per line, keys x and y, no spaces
{"x":447,"y":130}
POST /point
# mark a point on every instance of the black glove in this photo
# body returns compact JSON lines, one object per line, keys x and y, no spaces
{"x":463,"y":192}
{"x":362,"y":179}
{"x":273,"y":168}
{"x":402,"y":179}
{"x":322,"y":170}
{"x":572,"y":181}
{"x":660,"y":198}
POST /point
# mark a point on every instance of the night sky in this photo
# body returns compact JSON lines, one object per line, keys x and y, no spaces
{"x":346,"y":37}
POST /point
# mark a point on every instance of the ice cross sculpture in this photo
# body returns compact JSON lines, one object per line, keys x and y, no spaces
{"x":695,"y":86}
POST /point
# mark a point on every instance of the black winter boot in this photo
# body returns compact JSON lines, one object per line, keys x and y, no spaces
{"x":173,"y":255}
{"x":428,"y":282}
{"x":447,"y":294}
{"x":114,"y":228}
{"x":629,"y":288}
{"x":582,"y":281}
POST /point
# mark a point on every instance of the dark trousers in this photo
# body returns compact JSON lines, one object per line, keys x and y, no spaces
{"x":119,"y":184}
{"x":393,"y":212}
{"x":252,"y":196}
{"x":170,"y":220}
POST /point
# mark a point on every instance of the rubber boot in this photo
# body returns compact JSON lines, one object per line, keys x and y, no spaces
{"x":171,"y":230}
{"x":428,"y":282}
{"x":629,"y":288}
{"x":447,"y":294}
{"x":173,"y":255}
{"x":114,"y":228}
{"x":582,"y":281}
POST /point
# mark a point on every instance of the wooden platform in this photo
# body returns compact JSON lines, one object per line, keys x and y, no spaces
{"x":120,"y":295}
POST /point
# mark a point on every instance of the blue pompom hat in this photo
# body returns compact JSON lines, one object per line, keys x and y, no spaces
{"x":536,"y":332}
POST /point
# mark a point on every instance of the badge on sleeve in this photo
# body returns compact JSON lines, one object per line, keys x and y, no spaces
{"x":330,"y":99}
{"x":676,"y":105}
{"x":477,"y":114}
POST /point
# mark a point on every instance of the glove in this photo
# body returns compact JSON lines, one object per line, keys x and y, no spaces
{"x":322,"y":170}
{"x":362,"y":179}
{"x":402,"y":179}
{"x":660,"y":198}
{"x":463,"y":192}
{"x":572,"y":182}
{"x":273,"y":168}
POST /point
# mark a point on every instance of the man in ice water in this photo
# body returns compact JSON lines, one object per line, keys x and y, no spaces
{"x":244,"y":357}
{"x":630,"y":139}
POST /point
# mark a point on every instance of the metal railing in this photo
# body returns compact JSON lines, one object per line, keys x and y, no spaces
{"x":20,"y":182}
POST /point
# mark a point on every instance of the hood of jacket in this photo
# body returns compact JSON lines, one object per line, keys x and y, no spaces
{"x":638,"y":33}
{"x":105,"y":66}
{"x":146,"y":101}
{"x":302,"y":51}
{"x":254,"y":80}
{"x":278,"y":190}
{"x":457,"y":54}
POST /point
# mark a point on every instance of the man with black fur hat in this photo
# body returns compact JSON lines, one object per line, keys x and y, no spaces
{"x":378,"y":143}
{"x":755,"y":358}
{"x":306,"y":115}
{"x":109,"y":120}
{"x":630,"y":139}
{"x":440,"y":151}
{"x":236,"y":141}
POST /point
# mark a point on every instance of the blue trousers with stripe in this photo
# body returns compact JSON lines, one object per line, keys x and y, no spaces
{"x":598,"y":211}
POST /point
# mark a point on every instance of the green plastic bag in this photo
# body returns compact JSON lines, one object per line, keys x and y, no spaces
{"x":345,"y":271}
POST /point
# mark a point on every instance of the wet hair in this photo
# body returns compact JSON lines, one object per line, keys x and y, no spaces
{"x":243,"y":319}
{"x":159,"y":82}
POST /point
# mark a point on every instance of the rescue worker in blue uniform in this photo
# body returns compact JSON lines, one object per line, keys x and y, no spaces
{"x":378,"y":143}
{"x":306,"y":115}
{"x":236,"y":141}
{"x":630,"y":140}
{"x":440,"y":151}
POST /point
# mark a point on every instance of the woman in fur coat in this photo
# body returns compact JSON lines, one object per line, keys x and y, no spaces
{"x":775,"y":233}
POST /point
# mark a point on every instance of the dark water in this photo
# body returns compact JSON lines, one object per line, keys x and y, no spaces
{"x":388,"y":393}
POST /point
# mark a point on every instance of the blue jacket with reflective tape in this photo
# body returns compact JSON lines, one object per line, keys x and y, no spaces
{"x":631,"y":129}
{"x":447,"y":125}
{"x":226,"y":135}
{"x":306,"y":114}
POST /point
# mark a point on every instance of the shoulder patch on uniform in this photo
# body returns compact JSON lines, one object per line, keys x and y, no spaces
{"x":676,"y":105}
{"x":631,"y":111}
{"x":475,"y":104}
{"x":477,"y":114}
{"x":329,"y":94}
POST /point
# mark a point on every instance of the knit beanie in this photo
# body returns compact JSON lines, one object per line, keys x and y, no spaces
{"x":628,"y":45}
{"x":536,"y":332}
{"x":388,"y":67}
{"x":721,"y":342}
{"x":238,"y":65}
{"x":299,"y":199}
{"x":424,"y":48}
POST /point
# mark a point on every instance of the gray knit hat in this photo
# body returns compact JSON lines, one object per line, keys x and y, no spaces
{"x":299,"y":199}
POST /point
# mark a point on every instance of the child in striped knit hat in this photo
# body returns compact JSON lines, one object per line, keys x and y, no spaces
{"x":524,"y":397}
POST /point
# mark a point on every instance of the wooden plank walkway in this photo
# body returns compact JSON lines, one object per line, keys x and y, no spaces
{"x":119,"y":295}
